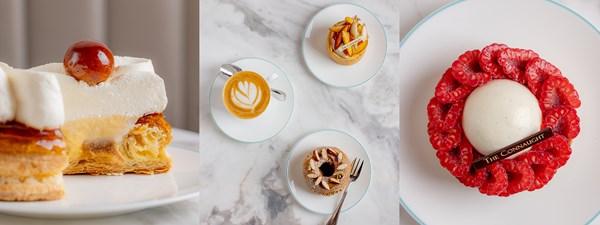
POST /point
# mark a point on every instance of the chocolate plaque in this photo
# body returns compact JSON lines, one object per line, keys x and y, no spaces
{"x":513,"y":148}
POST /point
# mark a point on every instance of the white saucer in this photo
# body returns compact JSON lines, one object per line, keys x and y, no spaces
{"x":100,"y":196}
{"x":295,"y":179}
{"x":270,"y":122}
{"x":325,"y":69}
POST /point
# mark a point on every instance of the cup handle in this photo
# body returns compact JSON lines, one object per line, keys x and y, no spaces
{"x":278,"y":94}
{"x":272,"y":77}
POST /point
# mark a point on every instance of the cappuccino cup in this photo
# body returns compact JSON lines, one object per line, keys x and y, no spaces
{"x":246,"y":94}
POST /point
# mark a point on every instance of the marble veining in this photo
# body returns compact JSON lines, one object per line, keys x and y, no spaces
{"x":245,"y":183}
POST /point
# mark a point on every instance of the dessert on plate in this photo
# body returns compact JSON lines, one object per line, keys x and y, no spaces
{"x":95,"y":113}
{"x":491,"y":99}
{"x":347,"y":41}
{"x":326,"y":170}
{"x":113,"y":121}
{"x":32,"y":149}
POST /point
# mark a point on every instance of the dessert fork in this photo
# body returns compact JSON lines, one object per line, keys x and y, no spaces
{"x":356,"y":168}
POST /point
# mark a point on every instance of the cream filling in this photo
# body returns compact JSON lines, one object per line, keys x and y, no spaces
{"x":133,"y":90}
{"x":112,"y":128}
{"x":7,"y":101}
{"x":33,"y":97}
{"x":45,"y":97}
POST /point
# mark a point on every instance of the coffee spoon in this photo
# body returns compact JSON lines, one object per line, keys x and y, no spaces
{"x":227,"y":70}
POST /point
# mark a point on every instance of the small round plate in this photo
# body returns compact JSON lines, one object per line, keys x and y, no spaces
{"x":315,"y":52}
{"x":295,"y":179}
{"x":100,"y":196}
{"x":270,"y":122}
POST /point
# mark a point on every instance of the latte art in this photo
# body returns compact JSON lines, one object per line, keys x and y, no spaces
{"x":246,"y":95}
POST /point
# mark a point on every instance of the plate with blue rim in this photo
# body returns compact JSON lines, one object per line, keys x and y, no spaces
{"x":314,"y":50}
{"x":268,"y":124}
{"x":295,"y":164}
{"x":558,"y":34}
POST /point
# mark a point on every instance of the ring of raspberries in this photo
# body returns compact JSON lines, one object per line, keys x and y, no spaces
{"x":558,"y":101}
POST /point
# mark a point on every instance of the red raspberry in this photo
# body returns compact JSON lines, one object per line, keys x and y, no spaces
{"x":558,"y":91}
{"x":556,"y":145}
{"x":563,"y":120}
{"x":536,"y":73}
{"x":466,"y":70}
{"x":474,"y":178}
{"x":458,"y":161}
{"x":436,"y":111}
{"x":497,"y":180}
{"x":520,"y":176}
{"x":448,"y":90}
{"x":544,"y":167}
{"x":445,"y":140}
{"x":513,"y":62}
{"x":444,"y":117}
{"x":433,"y":127}
{"x":488,"y":60}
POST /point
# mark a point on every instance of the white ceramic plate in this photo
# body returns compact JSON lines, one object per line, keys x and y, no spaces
{"x":99,"y":196}
{"x":270,"y":122}
{"x":315,"y":52}
{"x":560,"y":36}
{"x":295,"y":179}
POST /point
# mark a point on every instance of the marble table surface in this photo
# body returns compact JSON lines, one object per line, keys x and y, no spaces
{"x":244,"y":183}
{"x":413,"y":11}
{"x":184,"y":212}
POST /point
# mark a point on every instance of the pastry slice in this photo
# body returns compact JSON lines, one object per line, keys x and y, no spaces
{"x":32,"y":150}
{"x":113,"y":112}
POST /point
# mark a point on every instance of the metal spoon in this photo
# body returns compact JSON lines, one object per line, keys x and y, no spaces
{"x":227,"y":70}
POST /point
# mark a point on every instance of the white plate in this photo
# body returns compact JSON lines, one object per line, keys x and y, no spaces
{"x":270,"y":122}
{"x":560,"y":36}
{"x":295,"y":179}
{"x":99,"y":196}
{"x":315,"y":52}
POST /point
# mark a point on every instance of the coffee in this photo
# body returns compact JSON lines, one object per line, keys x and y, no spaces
{"x":246,"y":94}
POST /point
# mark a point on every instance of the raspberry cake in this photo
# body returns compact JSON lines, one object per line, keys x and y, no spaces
{"x":491,"y":98}
{"x":32,"y":150}
{"x":326,"y":170}
{"x":347,"y":41}
{"x":112,"y":111}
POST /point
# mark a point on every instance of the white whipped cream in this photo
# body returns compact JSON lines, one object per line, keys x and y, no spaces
{"x":500,"y":113}
{"x":134,"y":89}
{"x":7,"y":102}
{"x":246,"y":95}
{"x":39,"y":103}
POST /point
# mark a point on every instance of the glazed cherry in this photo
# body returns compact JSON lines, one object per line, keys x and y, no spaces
{"x":89,"y":61}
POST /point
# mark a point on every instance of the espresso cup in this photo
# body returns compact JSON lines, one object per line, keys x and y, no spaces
{"x":246,"y":94}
